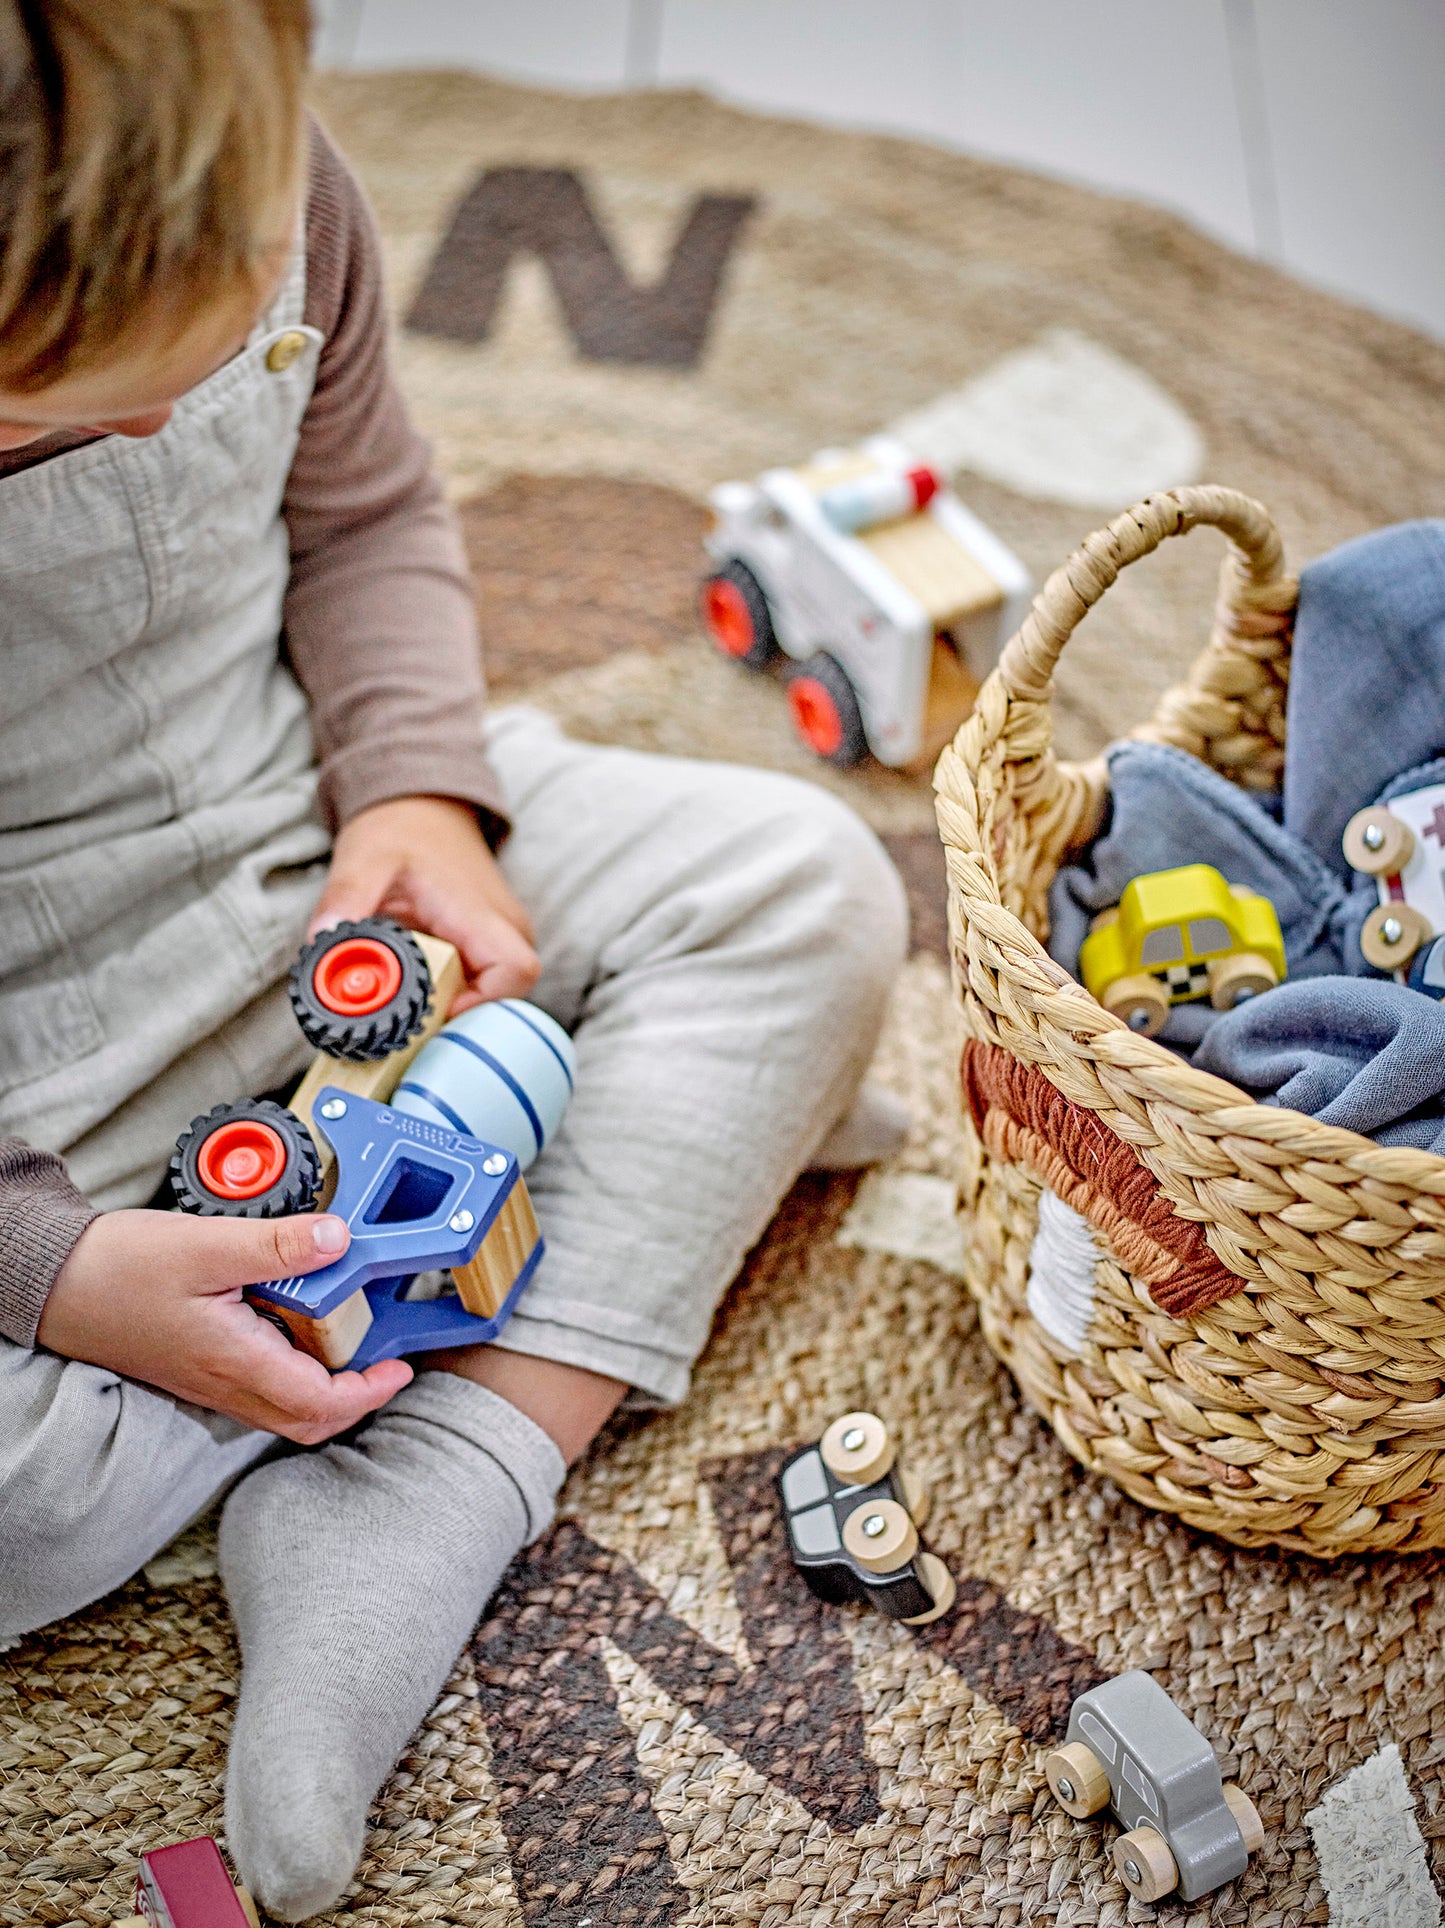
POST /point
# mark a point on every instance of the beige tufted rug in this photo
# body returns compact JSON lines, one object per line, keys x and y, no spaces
{"x":656,"y":1723}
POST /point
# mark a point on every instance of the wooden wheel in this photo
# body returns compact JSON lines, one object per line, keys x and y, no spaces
{"x":1141,"y":1001}
{"x":1391,"y":935}
{"x":1078,"y":1779}
{"x":1377,"y":842}
{"x":1144,"y":1864}
{"x":857,"y":1448}
{"x":939,"y":1582}
{"x":1246,"y":1816}
{"x":880,"y":1536}
{"x":1233,"y":979}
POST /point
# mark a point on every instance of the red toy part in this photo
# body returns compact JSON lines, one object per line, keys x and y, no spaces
{"x":241,"y":1159}
{"x":815,"y":715}
{"x":925,"y":485}
{"x":187,"y":1886}
{"x":728,"y":618}
{"x":357,"y":976}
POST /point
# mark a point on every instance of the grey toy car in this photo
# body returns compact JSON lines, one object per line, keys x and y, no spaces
{"x":1128,"y":1746}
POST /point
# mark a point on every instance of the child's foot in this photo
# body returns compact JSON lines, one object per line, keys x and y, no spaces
{"x":355,"y":1575}
{"x":873,"y":1128}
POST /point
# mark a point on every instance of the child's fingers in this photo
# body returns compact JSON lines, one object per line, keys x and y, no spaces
{"x":498,"y":959}
{"x":358,"y":883}
{"x":226,"y":1252}
{"x":292,"y":1394}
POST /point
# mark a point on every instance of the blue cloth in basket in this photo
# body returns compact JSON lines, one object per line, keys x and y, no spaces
{"x":1366,"y":721}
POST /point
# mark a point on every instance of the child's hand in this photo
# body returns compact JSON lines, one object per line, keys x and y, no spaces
{"x":156,"y":1296}
{"x":424,"y":861}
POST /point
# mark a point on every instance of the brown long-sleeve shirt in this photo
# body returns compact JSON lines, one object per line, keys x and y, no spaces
{"x":379,"y":625}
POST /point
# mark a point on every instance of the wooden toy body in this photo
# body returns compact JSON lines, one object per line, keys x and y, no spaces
{"x":1176,"y":926}
{"x":416,"y":1197}
{"x":914,"y":611}
{"x":187,"y":1886}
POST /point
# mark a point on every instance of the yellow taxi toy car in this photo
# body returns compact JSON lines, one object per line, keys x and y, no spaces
{"x":1177,"y":935}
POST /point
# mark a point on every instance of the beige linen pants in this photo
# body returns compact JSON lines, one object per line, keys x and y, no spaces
{"x":721,"y":943}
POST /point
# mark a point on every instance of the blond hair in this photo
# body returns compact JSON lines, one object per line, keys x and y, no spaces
{"x":149,"y":153}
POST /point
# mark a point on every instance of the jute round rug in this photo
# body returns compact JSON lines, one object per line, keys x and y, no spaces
{"x":639,"y":297}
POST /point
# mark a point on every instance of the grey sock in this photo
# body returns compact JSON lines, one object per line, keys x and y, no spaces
{"x":355,"y":1575}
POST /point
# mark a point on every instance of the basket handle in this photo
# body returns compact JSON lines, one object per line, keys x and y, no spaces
{"x":1000,"y":771}
{"x":1254,"y":591}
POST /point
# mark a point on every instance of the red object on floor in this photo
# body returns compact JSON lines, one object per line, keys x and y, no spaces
{"x":815,"y":714}
{"x":188,"y":1886}
{"x":728,"y":618}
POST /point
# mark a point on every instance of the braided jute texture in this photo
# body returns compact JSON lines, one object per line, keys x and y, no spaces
{"x":1308,"y":1409}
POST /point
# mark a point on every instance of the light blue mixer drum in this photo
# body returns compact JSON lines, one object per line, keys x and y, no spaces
{"x":500,"y":1072}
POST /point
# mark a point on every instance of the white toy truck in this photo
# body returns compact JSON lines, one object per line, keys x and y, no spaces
{"x":886,"y":600}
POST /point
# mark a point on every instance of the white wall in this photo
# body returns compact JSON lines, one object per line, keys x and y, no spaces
{"x":1309,"y":131}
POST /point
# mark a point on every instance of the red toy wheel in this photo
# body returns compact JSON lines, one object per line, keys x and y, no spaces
{"x":360,"y":990}
{"x":727,"y":616}
{"x":253,"y":1160}
{"x":825,"y":710}
{"x":357,"y":977}
{"x":815,"y":715}
{"x":736,"y":615}
{"x":241,"y":1159}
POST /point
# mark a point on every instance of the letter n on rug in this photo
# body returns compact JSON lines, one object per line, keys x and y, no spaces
{"x":546,"y":211}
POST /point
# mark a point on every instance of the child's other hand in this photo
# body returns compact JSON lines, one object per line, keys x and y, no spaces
{"x":424,"y":861}
{"x":156,"y":1296}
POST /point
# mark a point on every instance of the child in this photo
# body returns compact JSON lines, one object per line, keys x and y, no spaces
{"x":240,"y":700}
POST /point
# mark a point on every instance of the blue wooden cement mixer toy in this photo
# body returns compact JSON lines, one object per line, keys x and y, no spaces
{"x":415,"y":1131}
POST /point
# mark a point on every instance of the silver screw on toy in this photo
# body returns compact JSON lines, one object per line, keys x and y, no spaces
{"x":334,"y":1108}
{"x":1133,"y":1871}
{"x":853,"y":1439}
{"x":1391,"y":931}
{"x":495,"y":1165}
{"x":1066,"y":1788}
{"x":874,"y":1525}
{"x":461,"y":1221}
{"x":1372,"y":836}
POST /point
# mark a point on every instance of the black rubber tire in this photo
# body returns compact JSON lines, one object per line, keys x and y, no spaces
{"x":294,"y":1191}
{"x":828,"y":671}
{"x":765,"y":645}
{"x":379,"y":1033}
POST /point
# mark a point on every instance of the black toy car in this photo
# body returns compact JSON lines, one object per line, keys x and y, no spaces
{"x":853,"y":1515}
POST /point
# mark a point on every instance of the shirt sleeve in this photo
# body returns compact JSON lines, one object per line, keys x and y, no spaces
{"x":41,"y":1216}
{"x":380,"y":617}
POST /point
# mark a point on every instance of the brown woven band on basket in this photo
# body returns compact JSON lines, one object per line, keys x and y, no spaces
{"x":1023,"y":1118}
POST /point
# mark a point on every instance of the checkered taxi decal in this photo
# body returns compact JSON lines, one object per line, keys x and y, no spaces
{"x":1184,"y":980}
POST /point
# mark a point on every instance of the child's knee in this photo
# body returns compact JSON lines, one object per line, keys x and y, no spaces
{"x":851,"y":907}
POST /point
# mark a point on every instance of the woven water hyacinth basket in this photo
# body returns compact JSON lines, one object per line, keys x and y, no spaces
{"x":1234,"y":1311}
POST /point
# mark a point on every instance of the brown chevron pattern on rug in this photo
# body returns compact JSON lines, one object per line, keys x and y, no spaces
{"x":576,"y":1808}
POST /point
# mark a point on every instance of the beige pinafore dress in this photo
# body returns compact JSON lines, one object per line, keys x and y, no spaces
{"x":160,"y":846}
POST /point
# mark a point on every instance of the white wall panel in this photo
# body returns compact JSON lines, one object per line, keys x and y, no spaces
{"x":1136,"y":99}
{"x":1139,"y":101}
{"x":561,"y":43}
{"x":852,"y":61}
{"x":1354,"y":93}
